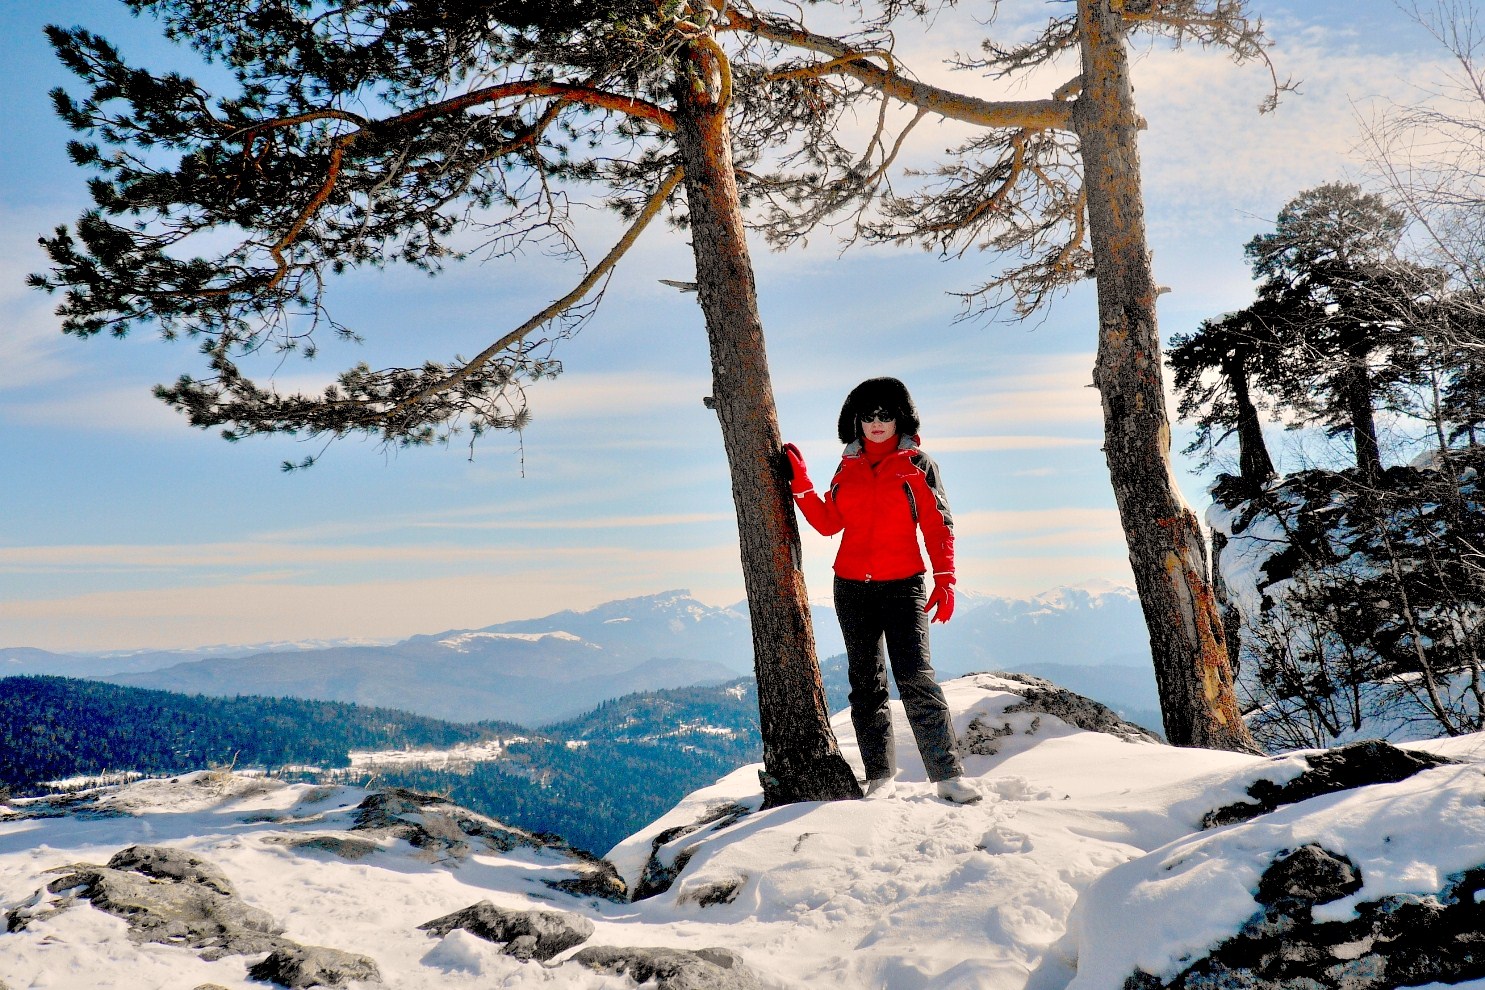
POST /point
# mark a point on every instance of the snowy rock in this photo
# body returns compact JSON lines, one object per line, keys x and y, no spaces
{"x":445,"y":832}
{"x":985,"y":734}
{"x":526,"y":934}
{"x":298,"y":966}
{"x":664,"y":864}
{"x":1358,"y":764}
{"x":1397,"y":941}
{"x":1044,"y":697}
{"x":342,"y":846}
{"x":672,"y":969}
{"x":1310,"y":874}
{"x":171,"y":897}
{"x":164,"y":863}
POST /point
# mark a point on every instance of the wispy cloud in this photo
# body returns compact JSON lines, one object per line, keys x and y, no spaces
{"x":999,"y":443}
{"x":606,"y":522}
{"x":126,"y":409}
{"x":1042,"y":527}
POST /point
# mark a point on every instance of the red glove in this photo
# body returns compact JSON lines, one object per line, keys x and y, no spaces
{"x":941,"y":602}
{"x":799,"y":479}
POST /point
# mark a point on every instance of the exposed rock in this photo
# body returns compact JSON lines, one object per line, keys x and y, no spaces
{"x":298,"y":966}
{"x":672,"y":969}
{"x":437,"y":825}
{"x":707,"y":895}
{"x":658,"y":875}
{"x":526,"y":934}
{"x":983,"y":738}
{"x":595,"y":878}
{"x":342,"y":846}
{"x":450,"y":833}
{"x":164,"y":863}
{"x":1358,"y":764}
{"x":1308,"y":875}
{"x":1076,"y":710}
{"x":174,"y":898}
{"x":1398,"y":941}
{"x":35,"y":908}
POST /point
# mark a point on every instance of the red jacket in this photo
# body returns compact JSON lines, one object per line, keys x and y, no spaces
{"x":881,"y":510}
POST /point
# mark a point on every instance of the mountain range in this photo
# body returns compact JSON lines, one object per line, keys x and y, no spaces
{"x":540,"y":670}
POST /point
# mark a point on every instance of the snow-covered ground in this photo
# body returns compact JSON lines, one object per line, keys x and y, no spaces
{"x":1086,"y":859}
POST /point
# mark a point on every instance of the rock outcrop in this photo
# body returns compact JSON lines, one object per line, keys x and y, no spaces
{"x":1396,"y":941}
{"x":173,"y":897}
{"x":660,"y":872}
{"x":672,"y":969}
{"x":1358,"y":764}
{"x":526,"y":935}
{"x":448,"y":833}
{"x":1041,"y":697}
{"x":299,"y":966}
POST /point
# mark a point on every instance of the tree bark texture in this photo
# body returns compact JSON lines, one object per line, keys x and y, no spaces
{"x":801,"y":759}
{"x":1166,"y":546}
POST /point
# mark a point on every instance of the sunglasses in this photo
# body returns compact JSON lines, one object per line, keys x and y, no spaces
{"x":880,"y":416}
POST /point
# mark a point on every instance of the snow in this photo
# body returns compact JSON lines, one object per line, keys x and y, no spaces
{"x":462,"y":641}
{"x":1085,"y":859}
{"x":461,"y":754}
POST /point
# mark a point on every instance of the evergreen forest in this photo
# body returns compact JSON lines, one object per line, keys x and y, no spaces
{"x":593,"y":780}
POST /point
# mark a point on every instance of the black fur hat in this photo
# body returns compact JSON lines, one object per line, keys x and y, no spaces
{"x":873,"y":394}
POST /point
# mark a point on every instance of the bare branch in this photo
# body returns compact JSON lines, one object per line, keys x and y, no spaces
{"x":651,"y":209}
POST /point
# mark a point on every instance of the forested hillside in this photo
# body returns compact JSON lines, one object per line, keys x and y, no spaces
{"x":53,"y":728}
{"x":592,"y":780}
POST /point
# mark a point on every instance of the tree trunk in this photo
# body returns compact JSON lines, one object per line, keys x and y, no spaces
{"x":1166,"y":545}
{"x":800,"y":757}
{"x":1255,"y":466}
{"x":1363,"y":417}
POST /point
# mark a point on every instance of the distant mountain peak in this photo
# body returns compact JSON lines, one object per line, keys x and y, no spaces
{"x":460,"y":642}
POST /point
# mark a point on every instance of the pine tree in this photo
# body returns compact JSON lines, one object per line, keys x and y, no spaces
{"x":1239,"y":348}
{"x":377,"y":130}
{"x":1340,"y":298}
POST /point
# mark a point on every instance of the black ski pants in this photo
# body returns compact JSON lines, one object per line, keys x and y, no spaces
{"x":870,"y":613}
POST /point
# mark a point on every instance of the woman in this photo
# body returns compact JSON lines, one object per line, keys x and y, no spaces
{"x":886,"y":490}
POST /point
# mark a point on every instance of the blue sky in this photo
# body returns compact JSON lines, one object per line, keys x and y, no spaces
{"x":121,"y":527}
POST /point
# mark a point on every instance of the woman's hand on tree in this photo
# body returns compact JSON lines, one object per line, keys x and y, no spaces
{"x":799,"y":479}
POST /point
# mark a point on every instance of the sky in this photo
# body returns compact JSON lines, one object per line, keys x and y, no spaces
{"x":121,"y":527}
{"x":1085,"y":860}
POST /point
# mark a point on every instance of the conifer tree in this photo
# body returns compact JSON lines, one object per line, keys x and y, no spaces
{"x":367,"y":131}
{"x":1341,"y":298}
{"x":1239,"y":348}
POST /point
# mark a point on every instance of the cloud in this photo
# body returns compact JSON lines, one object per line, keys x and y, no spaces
{"x":596,"y":395}
{"x":250,"y":554}
{"x":1046,"y":390}
{"x":30,"y":346}
{"x":1031,"y":528}
{"x":607,"y":522}
{"x":127,"y":409}
{"x":1209,"y":156}
{"x":193,"y":610}
{"x":1001,"y":443}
